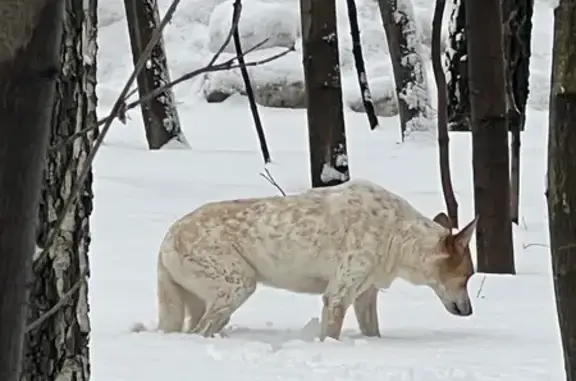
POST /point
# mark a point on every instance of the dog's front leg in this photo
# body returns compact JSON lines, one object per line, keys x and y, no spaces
{"x":333,"y":314}
{"x":351,"y":277}
{"x":366,"y":309}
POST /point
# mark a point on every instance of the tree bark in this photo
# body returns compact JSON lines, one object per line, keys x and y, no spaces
{"x":414,"y":105}
{"x":561,"y":193}
{"x":57,"y":349}
{"x":29,"y":44}
{"x":458,"y":92}
{"x":489,"y":137}
{"x":160,"y":116}
{"x":326,"y":129}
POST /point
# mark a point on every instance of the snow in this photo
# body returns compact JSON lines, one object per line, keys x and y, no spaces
{"x":278,"y":24}
{"x":512,"y":335}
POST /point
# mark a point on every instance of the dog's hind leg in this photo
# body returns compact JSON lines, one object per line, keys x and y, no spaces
{"x":171,"y":307}
{"x":223,"y":280}
{"x":219,"y":310}
{"x":195,"y":308}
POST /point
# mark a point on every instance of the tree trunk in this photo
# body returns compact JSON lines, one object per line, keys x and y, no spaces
{"x":561,"y":193}
{"x":517,"y":15}
{"x":363,"y":85}
{"x":236,"y":14}
{"x":517,"y":18}
{"x":412,"y":91}
{"x":159,"y":114}
{"x":57,"y":349}
{"x":443,"y":138}
{"x":489,"y":137}
{"x":326,"y":129}
{"x":29,"y":45}
{"x":457,"y":54}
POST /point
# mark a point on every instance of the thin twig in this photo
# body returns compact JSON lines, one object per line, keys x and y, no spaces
{"x":527,"y":245}
{"x":481,"y":286}
{"x":270,"y":179}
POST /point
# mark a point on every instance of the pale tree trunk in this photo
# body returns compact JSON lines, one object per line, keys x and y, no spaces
{"x":326,"y":129}
{"x":159,"y":114}
{"x":414,"y":104}
{"x":30,"y":35}
{"x":57,"y":349}
{"x":490,"y":158}
{"x":561,"y":193}
{"x":457,"y":73}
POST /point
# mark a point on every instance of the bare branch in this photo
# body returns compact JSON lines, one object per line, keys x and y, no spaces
{"x":270,"y":179}
{"x":478,"y":294}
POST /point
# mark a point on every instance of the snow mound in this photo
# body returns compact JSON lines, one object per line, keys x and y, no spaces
{"x":383,"y":94}
{"x":278,"y":24}
{"x":200,"y":10}
{"x":279,"y":83}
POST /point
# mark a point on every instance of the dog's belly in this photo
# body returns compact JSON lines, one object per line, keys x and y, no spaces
{"x":295,"y":283}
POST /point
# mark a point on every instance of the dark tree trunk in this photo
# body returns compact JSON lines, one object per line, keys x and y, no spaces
{"x":365,"y":93}
{"x":247,"y":84}
{"x":517,"y":16}
{"x":326,"y":129}
{"x":517,"y":20}
{"x":458,"y":93}
{"x":30,"y":35}
{"x":486,"y":70}
{"x":443,"y":138}
{"x":412,"y":91}
{"x":561,"y":193}
{"x":160,"y":116}
{"x":57,"y":349}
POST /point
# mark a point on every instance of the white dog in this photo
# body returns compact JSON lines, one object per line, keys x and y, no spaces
{"x":344,"y":242}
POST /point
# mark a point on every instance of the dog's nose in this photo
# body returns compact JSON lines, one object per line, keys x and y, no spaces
{"x":462,"y":310}
{"x":456,"y":309}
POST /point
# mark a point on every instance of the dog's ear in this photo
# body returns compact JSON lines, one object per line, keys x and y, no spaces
{"x":463,"y":237}
{"x":443,"y":220}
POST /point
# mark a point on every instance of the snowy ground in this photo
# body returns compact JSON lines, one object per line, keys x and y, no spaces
{"x":511,"y":337}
